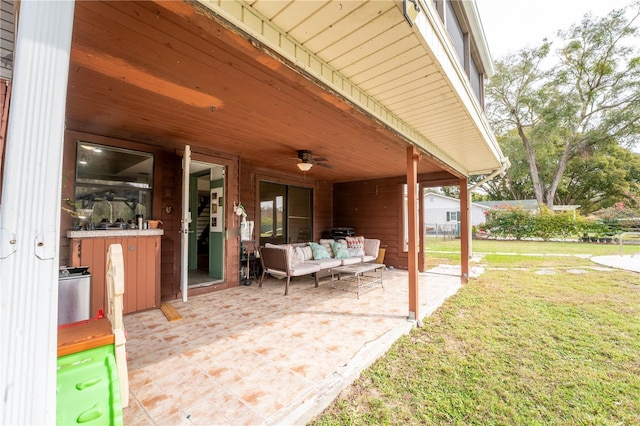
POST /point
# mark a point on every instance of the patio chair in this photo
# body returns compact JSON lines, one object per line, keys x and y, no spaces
{"x":275,"y":261}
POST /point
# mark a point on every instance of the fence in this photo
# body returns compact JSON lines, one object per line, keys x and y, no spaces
{"x":445,"y":231}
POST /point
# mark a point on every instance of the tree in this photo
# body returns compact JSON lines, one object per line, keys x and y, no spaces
{"x":605,"y":177}
{"x":591,"y":97}
{"x":601,"y":178}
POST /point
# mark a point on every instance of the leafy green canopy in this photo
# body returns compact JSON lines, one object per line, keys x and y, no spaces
{"x":568,"y":129}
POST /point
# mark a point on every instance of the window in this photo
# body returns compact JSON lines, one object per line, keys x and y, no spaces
{"x":285,"y":213}
{"x":405,"y":214}
{"x":271,"y":212}
{"x":116,"y":183}
{"x":453,"y":216}
{"x":457,"y":25}
{"x":455,"y":32}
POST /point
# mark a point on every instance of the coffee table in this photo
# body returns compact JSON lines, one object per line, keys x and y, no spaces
{"x":358,"y":277}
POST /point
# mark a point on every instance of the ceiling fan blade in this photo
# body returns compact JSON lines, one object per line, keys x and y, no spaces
{"x":320,"y":159}
{"x":328,"y":166}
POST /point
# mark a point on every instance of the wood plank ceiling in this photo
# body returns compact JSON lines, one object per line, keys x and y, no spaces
{"x":166,"y":74}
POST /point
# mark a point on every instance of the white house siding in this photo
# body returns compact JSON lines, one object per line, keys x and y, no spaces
{"x":436,"y":208}
{"x":6,"y":39}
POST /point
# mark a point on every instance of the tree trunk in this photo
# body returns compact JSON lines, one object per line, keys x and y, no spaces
{"x":557,"y":175}
{"x":533,"y":167}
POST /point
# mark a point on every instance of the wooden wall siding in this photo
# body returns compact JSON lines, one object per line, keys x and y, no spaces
{"x":322,"y":209}
{"x":7,"y":38}
{"x":372,"y":208}
{"x":170,"y":198}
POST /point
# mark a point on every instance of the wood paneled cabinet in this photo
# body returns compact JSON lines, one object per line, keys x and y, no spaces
{"x":141,"y":251}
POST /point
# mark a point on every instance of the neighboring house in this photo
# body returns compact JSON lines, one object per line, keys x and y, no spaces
{"x":173,"y":110}
{"x":441,"y":209}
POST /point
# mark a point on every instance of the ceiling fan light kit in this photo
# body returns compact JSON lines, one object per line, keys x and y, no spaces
{"x":305,"y":167}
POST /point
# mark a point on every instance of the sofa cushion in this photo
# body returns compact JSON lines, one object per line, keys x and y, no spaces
{"x":327,"y":242}
{"x":351,"y":260}
{"x":367,"y":258}
{"x":355,"y":245}
{"x":319,"y":251}
{"x":371,"y":247}
{"x":339,"y":250}
{"x":304,"y":268}
{"x":326,"y":263}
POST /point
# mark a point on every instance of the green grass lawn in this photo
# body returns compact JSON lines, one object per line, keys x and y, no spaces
{"x":513,"y":347}
{"x":501,"y":253}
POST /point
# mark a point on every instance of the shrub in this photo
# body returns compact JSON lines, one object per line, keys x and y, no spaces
{"x":511,"y":222}
{"x":518,"y":223}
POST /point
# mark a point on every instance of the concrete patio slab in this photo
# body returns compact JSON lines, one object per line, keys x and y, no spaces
{"x":250,"y":355}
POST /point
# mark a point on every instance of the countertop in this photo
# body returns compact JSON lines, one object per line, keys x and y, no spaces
{"x":84,"y":335}
{"x":102,"y":233}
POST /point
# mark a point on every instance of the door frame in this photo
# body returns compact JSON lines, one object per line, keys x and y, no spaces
{"x":232,"y":225}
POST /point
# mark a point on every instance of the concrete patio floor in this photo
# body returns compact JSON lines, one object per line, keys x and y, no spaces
{"x":250,"y":355}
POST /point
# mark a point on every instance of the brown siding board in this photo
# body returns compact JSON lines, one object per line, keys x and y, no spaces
{"x":371,"y":208}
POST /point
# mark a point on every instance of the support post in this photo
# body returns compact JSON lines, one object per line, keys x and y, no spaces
{"x":30,"y":213}
{"x":422,"y":267}
{"x":413,"y":156}
{"x":465,"y":229}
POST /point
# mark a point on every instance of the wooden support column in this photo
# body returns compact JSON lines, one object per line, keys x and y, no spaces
{"x":413,"y":156}
{"x":422,"y":267}
{"x":465,"y":229}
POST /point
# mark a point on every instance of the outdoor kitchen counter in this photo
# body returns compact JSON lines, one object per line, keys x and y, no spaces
{"x":101,"y":233}
{"x":141,"y":252}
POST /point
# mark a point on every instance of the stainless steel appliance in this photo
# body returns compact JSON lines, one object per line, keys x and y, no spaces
{"x":74,"y":294}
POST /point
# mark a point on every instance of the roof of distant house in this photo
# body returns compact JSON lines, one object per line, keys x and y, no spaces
{"x":446,"y":197}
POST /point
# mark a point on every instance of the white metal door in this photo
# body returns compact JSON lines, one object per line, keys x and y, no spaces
{"x":184,"y":226}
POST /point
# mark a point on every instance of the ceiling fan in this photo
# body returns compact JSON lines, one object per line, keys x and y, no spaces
{"x":306,"y":160}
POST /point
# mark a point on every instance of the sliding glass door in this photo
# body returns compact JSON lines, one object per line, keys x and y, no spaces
{"x":285,"y":213}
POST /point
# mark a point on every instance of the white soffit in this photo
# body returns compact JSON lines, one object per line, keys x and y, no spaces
{"x":405,"y":76}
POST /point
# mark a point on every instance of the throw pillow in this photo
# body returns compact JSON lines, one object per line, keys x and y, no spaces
{"x":319,"y":251}
{"x":355,"y":246}
{"x":340,"y":250}
{"x":327,"y":243}
{"x":298,"y":254}
{"x":307,"y":253}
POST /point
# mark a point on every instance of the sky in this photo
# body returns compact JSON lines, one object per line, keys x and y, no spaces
{"x":510,"y":25}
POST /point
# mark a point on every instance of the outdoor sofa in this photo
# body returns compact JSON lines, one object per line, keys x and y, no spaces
{"x":317,"y":259}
